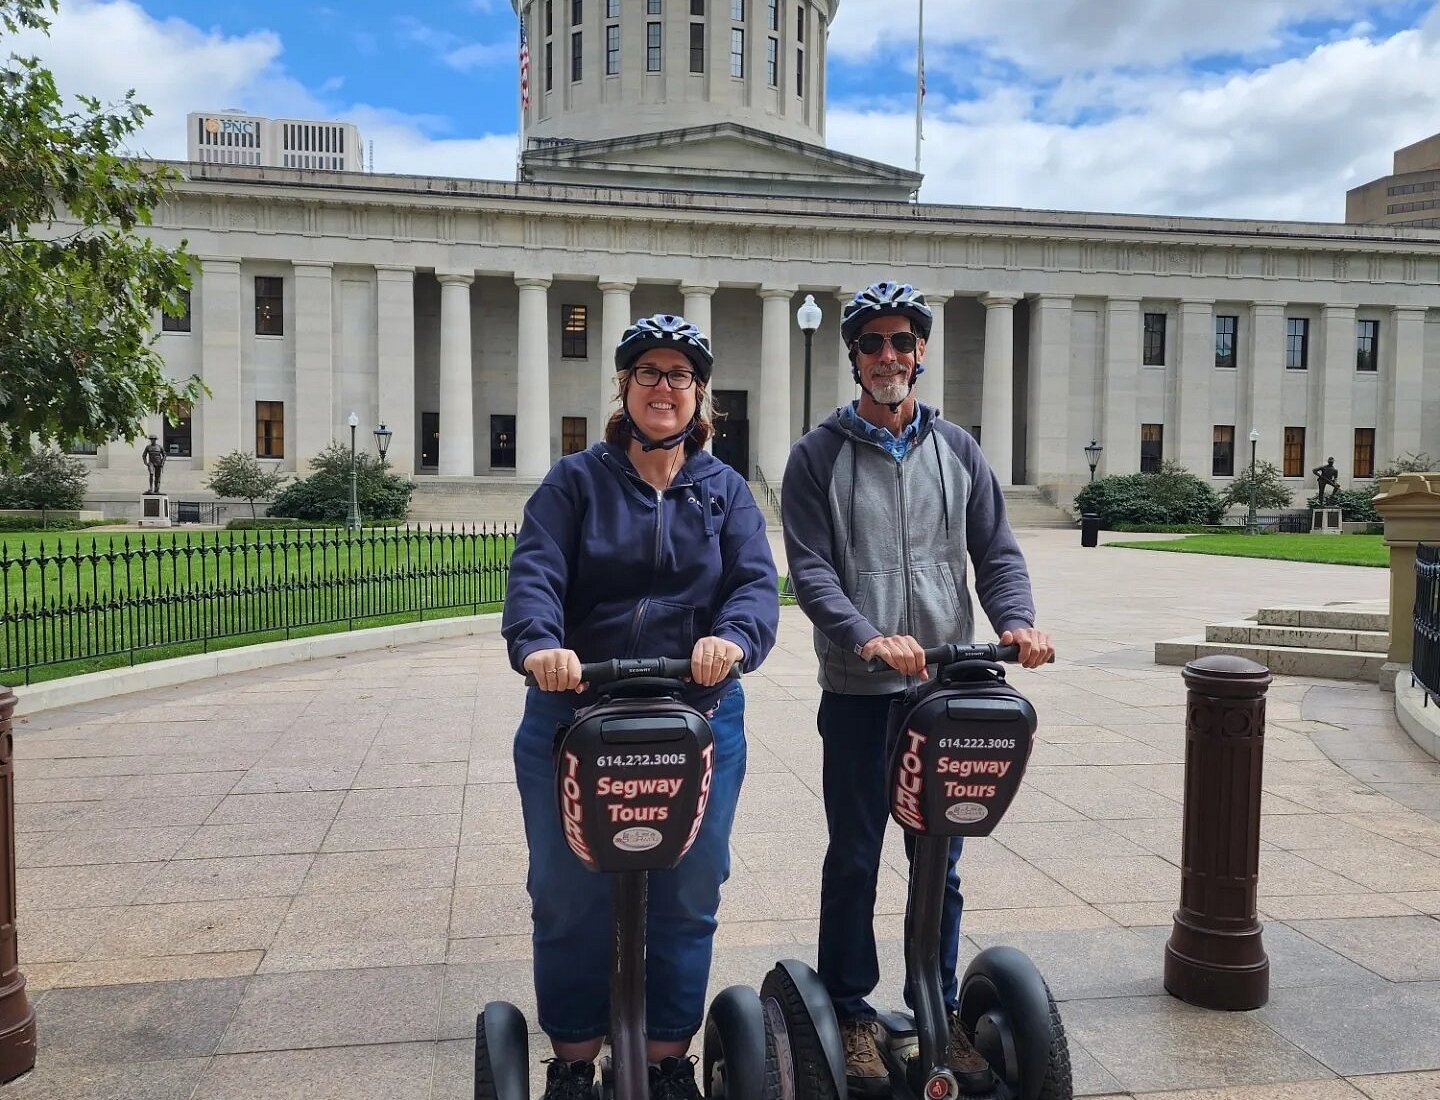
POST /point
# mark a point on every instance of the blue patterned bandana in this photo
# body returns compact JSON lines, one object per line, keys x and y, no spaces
{"x":897,"y":447}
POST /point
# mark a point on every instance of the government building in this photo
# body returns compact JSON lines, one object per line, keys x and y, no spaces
{"x":674,"y":160}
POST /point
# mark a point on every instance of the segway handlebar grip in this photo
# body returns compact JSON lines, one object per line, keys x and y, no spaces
{"x":665,"y":668}
{"x":951,"y":652}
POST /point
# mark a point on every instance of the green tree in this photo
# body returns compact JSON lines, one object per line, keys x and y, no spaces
{"x":78,"y":284}
{"x":324,"y":496}
{"x":1173,"y":495}
{"x":242,"y":476}
{"x":43,"y":479}
{"x":1270,"y":488}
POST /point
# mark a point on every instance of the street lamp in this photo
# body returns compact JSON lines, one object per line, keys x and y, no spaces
{"x":382,"y":441}
{"x":1092,"y":456}
{"x":808,"y":317}
{"x":1250,"y":527}
{"x":352,"y":518}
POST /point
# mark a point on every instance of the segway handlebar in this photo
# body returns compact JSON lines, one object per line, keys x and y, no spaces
{"x":951,"y":652}
{"x":631,"y":668}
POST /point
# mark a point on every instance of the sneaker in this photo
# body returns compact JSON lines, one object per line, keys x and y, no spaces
{"x":674,"y":1079}
{"x":969,"y":1066}
{"x":569,"y":1080}
{"x":865,"y":1073}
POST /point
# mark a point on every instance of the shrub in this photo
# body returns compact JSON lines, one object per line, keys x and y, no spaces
{"x":1270,"y":488}
{"x":1172,"y":496}
{"x":278,"y":523}
{"x":43,"y":479}
{"x":1410,"y":462}
{"x":1355,"y":505}
{"x":12,"y":524}
{"x":325,"y":494}
{"x":242,"y":477}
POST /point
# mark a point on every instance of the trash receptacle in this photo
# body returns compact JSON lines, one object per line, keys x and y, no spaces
{"x":1089,"y":529}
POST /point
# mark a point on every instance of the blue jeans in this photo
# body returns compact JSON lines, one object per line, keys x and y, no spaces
{"x":857,"y":807}
{"x":570,"y":905}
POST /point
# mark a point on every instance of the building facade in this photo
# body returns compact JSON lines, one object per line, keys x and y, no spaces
{"x":232,"y":137}
{"x":1409,"y":196}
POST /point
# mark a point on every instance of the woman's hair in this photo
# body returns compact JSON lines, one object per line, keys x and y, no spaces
{"x":617,"y":433}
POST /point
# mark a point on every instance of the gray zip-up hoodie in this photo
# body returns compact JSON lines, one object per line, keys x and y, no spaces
{"x":878,"y":547}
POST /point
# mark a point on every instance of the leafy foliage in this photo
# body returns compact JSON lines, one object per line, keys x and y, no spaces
{"x":1411,"y":462}
{"x":78,"y":285}
{"x":1270,"y":488}
{"x":243,"y":477}
{"x":43,"y":479}
{"x":1172,"y":496}
{"x":325,"y":494}
{"x":1354,"y":504}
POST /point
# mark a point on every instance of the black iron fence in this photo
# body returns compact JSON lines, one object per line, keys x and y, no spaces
{"x":86,"y":601}
{"x":1425,"y":661}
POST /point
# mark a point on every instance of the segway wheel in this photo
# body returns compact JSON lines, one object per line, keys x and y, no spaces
{"x":502,"y":1053}
{"x":1009,"y":1013}
{"x":808,"y":1055}
{"x":739,"y":1054}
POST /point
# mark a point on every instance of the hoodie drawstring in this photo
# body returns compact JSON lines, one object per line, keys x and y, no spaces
{"x":944,"y":495}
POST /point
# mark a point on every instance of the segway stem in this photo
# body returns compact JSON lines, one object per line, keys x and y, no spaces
{"x":928,"y":868}
{"x":627,"y":987}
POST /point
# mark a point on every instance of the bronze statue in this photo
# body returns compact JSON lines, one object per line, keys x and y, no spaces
{"x":1328,"y":477}
{"x":154,"y":458}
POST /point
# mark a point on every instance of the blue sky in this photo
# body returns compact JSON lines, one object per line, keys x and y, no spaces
{"x":1243,"y":108}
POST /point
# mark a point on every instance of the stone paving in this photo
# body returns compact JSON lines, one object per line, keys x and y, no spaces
{"x":304,"y":881}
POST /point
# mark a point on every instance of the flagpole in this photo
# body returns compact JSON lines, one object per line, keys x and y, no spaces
{"x":520,"y":130}
{"x":919,"y":85}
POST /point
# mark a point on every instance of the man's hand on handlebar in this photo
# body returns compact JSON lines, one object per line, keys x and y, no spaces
{"x":900,"y":651}
{"x":1036,"y":648}
{"x":555,"y":669}
{"x":712,"y":659}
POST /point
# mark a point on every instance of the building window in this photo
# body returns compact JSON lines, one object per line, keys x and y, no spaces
{"x":1364,"y":460}
{"x":82,"y":447}
{"x":549,"y":16}
{"x":1154,"y":340}
{"x":612,"y":9}
{"x":800,"y":72}
{"x":269,"y":306}
{"x":1152,"y":446}
{"x":612,"y":50}
{"x":1294,"y":452}
{"x":573,"y":435}
{"x":652,"y":7}
{"x":577,"y":12}
{"x":737,"y":52}
{"x":175,"y":438}
{"x":1297,"y":345}
{"x":697,"y":47}
{"x":1226,"y":327}
{"x":177,"y":322}
{"x":575,"y":55}
{"x":772,"y":63}
{"x":502,"y":443}
{"x":1222,"y":451}
{"x":652,"y":47}
{"x":697,"y":8}
{"x":737,"y":11}
{"x":772,"y":15}
{"x":269,"y":429}
{"x":549,"y":67}
{"x":573,"y":328}
{"x":1367,"y":345}
{"x":800,"y":23}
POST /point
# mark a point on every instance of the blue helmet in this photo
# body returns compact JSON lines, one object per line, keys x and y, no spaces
{"x":666,"y":330}
{"x":880,"y":299}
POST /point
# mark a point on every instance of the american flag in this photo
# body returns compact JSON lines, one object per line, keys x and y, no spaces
{"x":524,"y":66}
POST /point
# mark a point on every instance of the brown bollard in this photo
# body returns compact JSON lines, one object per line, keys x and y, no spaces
{"x":17,"y":1018}
{"x":1215,"y":957}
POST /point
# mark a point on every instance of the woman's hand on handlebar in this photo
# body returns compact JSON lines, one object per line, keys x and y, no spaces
{"x":900,"y":651}
{"x":1036,"y":648}
{"x":712,"y":659}
{"x":555,"y":669}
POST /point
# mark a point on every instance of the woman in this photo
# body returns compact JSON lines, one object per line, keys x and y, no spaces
{"x":645,"y":545}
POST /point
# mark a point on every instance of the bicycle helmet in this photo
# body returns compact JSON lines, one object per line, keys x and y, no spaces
{"x":666,"y":330}
{"x":880,"y":299}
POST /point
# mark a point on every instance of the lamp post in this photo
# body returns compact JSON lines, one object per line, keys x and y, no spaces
{"x":808,"y":317}
{"x":1250,"y":513}
{"x":382,"y":441}
{"x":1092,"y":456}
{"x":352,"y":518}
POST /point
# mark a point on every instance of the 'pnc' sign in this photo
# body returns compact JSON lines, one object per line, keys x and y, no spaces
{"x":231,"y":126}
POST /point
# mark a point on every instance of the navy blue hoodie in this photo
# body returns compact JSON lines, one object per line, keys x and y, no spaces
{"x":609,"y":567}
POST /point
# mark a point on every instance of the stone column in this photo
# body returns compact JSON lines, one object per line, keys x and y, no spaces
{"x":1048,"y":460}
{"x":1334,"y":435}
{"x":774,"y":396}
{"x":215,"y":423}
{"x":532,"y":406}
{"x":1266,"y":367}
{"x":1401,"y":386}
{"x":931,"y":386}
{"x":395,"y":355}
{"x":614,"y":320}
{"x":1120,"y":430}
{"x":1190,"y":417}
{"x":1410,"y":506}
{"x":845,"y":388}
{"x":313,"y":419}
{"x":698,"y":295}
{"x":17,"y":1016}
{"x":457,"y":396}
{"x":997,"y":388}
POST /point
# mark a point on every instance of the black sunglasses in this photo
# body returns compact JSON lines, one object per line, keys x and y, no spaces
{"x":679,"y":379}
{"x":870,"y":343}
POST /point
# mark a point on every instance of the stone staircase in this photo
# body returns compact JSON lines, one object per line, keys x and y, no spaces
{"x":1027,"y":506}
{"x":1344,"y":641}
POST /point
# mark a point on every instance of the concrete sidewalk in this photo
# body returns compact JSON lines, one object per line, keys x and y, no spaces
{"x":304,"y":881}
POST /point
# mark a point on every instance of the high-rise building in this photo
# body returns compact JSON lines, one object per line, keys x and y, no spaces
{"x":1408,"y":196}
{"x":231,"y":137}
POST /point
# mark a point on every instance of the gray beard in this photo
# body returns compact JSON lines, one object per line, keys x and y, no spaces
{"x":890,"y":393}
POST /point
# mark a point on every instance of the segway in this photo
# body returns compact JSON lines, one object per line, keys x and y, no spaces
{"x":632,"y":777}
{"x":959,"y":744}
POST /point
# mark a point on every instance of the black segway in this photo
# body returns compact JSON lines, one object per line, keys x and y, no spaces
{"x":959,"y":744}
{"x":632,"y":777}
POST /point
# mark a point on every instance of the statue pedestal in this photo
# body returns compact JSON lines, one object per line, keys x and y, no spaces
{"x":155,"y":510}
{"x":1325,"y":521}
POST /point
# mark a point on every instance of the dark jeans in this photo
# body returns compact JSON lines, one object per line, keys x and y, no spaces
{"x":852,"y":729}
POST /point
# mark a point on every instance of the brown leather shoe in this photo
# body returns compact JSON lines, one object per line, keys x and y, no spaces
{"x":865,"y":1073}
{"x":972,"y":1072}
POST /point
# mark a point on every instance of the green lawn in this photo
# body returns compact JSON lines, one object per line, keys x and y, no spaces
{"x":1327,"y":549}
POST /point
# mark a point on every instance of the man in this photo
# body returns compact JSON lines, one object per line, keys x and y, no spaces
{"x":1327,"y":477}
{"x":881,"y":505}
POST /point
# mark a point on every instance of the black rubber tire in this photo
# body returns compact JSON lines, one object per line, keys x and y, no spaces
{"x":809,"y":1061}
{"x":1002,"y":985}
{"x":739,"y":1060}
{"x":1057,"y":1084}
{"x":502,"y":1053}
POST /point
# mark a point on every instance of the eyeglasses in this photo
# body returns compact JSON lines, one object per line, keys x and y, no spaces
{"x":870,"y":343}
{"x":681,"y":379}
